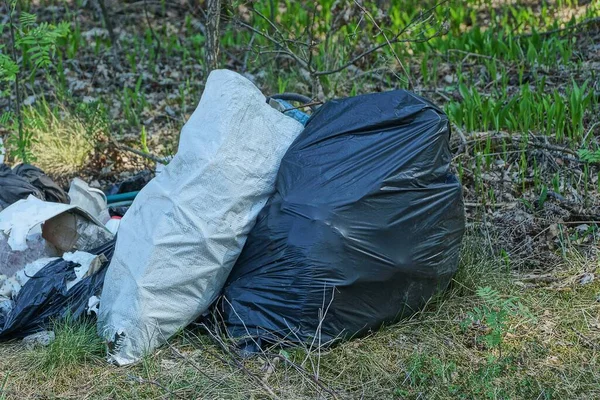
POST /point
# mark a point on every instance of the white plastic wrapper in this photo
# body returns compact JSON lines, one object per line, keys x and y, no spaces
{"x":185,"y":230}
{"x":66,"y":227}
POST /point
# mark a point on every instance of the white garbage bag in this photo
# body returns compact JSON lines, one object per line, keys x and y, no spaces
{"x":180,"y":238}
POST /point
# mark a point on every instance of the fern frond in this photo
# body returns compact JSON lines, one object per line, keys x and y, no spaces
{"x":27,"y":20}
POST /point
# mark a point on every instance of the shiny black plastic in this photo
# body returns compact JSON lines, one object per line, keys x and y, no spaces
{"x":24,"y":180}
{"x":365,"y":226}
{"x":14,"y":188}
{"x":44,"y":298}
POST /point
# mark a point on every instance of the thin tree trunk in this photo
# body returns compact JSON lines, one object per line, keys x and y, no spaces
{"x":21,"y":135}
{"x":213,"y":16}
{"x":108,"y":23}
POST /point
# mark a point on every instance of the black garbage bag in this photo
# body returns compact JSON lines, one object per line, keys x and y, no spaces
{"x":14,"y":188}
{"x":49,"y":189}
{"x":365,"y":226}
{"x":131,"y":184}
{"x":44,"y":298}
{"x":24,"y":180}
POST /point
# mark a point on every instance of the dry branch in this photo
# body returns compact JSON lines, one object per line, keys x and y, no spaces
{"x":213,"y":17}
{"x":140,"y":153}
{"x":301,"y":50}
{"x":581,"y":24}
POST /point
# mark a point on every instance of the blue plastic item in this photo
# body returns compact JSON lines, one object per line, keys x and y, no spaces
{"x":296,"y":114}
{"x":115,"y":198}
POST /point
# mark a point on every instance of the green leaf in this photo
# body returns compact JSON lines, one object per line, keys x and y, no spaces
{"x":27,"y":20}
{"x":8,"y":68}
{"x":543,"y":197}
{"x":284,"y":354}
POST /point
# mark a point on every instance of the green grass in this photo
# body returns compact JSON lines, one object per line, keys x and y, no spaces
{"x":505,"y":84}
{"x":76,"y":345}
{"x":495,"y":68}
{"x":546,"y":352}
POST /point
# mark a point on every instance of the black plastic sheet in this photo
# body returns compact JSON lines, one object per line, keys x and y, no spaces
{"x":49,"y":189}
{"x":44,"y":298}
{"x":14,"y":188}
{"x":24,"y":180}
{"x":365,"y":226}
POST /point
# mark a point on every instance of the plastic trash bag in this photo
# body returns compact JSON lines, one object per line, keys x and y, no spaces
{"x":131,"y":184}
{"x":14,"y":188}
{"x":185,"y":229}
{"x":12,"y":261}
{"x":25,"y":180}
{"x":50,"y":295}
{"x":365,"y":226}
{"x":49,"y":189}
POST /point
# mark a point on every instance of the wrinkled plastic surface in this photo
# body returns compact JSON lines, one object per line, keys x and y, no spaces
{"x":131,"y":184}
{"x":65,"y":226}
{"x":24,"y":180}
{"x":49,"y":189}
{"x":365,"y":226}
{"x":14,"y":188}
{"x":92,"y":200}
{"x":37,"y":247}
{"x":45,"y":297}
{"x":185,"y":229}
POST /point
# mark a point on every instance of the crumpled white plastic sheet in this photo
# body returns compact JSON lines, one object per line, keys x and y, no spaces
{"x":186,"y":228}
{"x":89,"y":264}
{"x":63,"y":223}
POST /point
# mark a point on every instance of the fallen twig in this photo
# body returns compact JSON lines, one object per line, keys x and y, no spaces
{"x":312,"y":377}
{"x":241,"y":366}
{"x":193,"y":364}
{"x":586,"y":341}
{"x":497,"y":135}
{"x":566,"y":28}
{"x":494,"y":205}
{"x":314,"y":103}
{"x":139,"y":379}
{"x":463,"y":147}
{"x":140,"y":153}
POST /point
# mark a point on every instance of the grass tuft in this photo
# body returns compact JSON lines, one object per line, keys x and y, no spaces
{"x":77,"y":344}
{"x":61,"y":142}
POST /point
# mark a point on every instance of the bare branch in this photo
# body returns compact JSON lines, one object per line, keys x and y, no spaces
{"x":140,"y":153}
{"x":287,"y":51}
{"x":156,"y":40}
{"x":389,"y":42}
{"x":282,"y":43}
{"x":581,"y":24}
{"x":311,"y":104}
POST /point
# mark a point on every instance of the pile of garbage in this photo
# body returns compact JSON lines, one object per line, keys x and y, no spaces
{"x":285,"y":227}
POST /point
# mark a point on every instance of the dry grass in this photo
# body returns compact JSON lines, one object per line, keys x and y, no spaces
{"x":61,"y":141}
{"x":551,"y":354}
